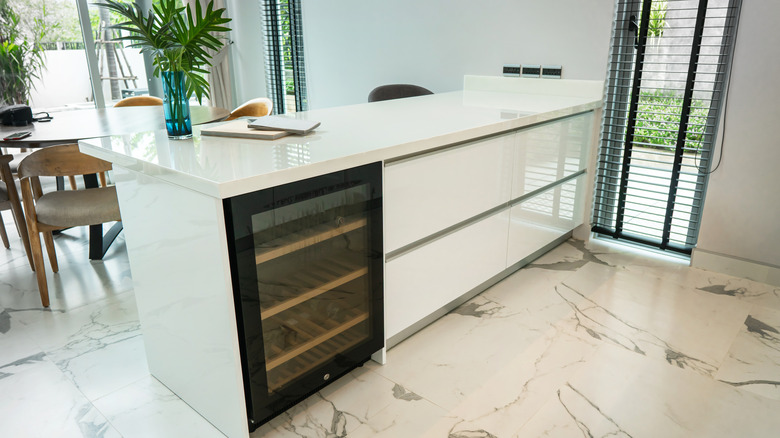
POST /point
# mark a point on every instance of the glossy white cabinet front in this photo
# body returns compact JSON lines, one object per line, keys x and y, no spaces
{"x":422,"y":281}
{"x":547,"y":216}
{"x":426,"y":194}
{"x":550,"y":152}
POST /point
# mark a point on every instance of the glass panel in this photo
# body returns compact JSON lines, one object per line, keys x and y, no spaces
{"x":64,"y":82}
{"x":313,"y":283}
{"x":121,"y":68}
{"x":654,"y":161}
{"x":49,"y":32}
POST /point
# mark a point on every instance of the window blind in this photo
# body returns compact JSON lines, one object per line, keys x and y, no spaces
{"x":665,"y":86}
{"x":284,"y":63}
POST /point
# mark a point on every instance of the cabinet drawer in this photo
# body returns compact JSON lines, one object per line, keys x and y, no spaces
{"x":550,"y":152}
{"x":547,"y":216}
{"x":427,"y":194}
{"x":422,"y":281}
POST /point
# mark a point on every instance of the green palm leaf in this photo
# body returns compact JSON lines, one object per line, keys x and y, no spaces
{"x":177,"y":38}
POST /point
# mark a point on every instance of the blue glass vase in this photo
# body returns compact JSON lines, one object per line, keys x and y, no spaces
{"x":176,"y":105}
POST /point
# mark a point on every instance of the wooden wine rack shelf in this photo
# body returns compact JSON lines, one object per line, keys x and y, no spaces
{"x":296,"y":288}
{"x":313,"y":358}
{"x":317,"y":335}
{"x":293,"y":242}
{"x":305,"y":285}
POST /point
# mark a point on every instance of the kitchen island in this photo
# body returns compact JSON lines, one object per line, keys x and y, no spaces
{"x":474,"y":185}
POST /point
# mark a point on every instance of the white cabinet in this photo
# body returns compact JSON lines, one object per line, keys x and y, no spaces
{"x":422,"y":281}
{"x":484,"y":189}
{"x":549,"y":152}
{"x":429,"y":193}
{"x":540,"y":220}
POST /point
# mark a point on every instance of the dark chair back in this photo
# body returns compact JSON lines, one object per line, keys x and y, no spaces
{"x":396,"y":91}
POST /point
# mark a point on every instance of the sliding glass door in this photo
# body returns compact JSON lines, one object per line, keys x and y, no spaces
{"x":665,"y":89}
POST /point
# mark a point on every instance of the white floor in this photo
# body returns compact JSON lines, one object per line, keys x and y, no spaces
{"x":588,"y":342}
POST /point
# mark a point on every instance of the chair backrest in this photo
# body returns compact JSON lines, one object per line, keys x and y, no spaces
{"x":62,"y":160}
{"x":396,"y":91}
{"x":257,"y":107}
{"x":5,"y":203}
{"x":139,"y":101}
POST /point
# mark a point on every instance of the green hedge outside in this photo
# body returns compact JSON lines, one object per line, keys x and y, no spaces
{"x":658,"y":121}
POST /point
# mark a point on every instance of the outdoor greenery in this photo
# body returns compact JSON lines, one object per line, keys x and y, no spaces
{"x":289,"y":83}
{"x":177,"y":38}
{"x":657,"y":19}
{"x":21,"y":52}
{"x":659,"y":119}
{"x":64,"y":14}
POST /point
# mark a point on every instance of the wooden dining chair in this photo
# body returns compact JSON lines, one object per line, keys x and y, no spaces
{"x":257,"y":107}
{"x":63,"y":208}
{"x":9,"y":200}
{"x":139,"y":101}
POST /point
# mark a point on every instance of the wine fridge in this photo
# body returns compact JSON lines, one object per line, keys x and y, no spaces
{"x":306,"y":262}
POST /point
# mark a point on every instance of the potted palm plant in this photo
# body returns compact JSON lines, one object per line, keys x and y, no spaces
{"x":182,"y":44}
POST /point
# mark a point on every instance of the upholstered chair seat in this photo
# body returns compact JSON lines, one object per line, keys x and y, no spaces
{"x":73,"y":208}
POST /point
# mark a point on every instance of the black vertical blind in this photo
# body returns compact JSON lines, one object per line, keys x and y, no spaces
{"x":284,"y":65}
{"x":665,"y":84}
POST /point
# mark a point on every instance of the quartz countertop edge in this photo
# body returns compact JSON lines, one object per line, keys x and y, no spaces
{"x":231,"y":181}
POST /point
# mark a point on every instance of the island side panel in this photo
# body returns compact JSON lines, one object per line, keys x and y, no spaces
{"x":178,"y":256}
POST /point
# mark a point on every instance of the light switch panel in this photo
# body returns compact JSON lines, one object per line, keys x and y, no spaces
{"x":531,"y":71}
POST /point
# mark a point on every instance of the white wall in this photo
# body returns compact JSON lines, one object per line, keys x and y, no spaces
{"x":741,"y":219}
{"x":352,"y":46}
{"x":246,"y":50}
{"x":65,"y":80}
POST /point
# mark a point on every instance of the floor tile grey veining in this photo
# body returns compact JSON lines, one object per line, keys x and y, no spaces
{"x":622,"y":394}
{"x":753,"y":362}
{"x":589,"y":340}
{"x":38,"y":400}
{"x":688,"y":328}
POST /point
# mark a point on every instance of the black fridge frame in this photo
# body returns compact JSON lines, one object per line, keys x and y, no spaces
{"x":262,"y":407}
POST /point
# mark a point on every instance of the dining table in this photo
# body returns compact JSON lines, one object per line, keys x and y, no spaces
{"x":70,"y":126}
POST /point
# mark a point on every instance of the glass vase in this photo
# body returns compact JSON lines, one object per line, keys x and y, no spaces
{"x":176,"y":105}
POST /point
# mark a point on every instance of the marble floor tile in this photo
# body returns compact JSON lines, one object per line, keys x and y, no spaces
{"x":38,"y":400}
{"x":80,"y":281}
{"x":99,"y":345}
{"x":621,"y":394}
{"x":531,"y":291}
{"x":104,"y":319}
{"x":753,"y":363}
{"x":147,"y":409}
{"x":339,"y":408}
{"x":714,"y":283}
{"x":415,"y":417}
{"x":520,"y":388}
{"x":753,"y":292}
{"x":15,"y":343}
{"x":578,"y":342}
{"x":449,"y":359}
{"x":652,"y":317}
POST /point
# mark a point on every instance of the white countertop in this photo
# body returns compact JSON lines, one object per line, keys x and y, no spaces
{"x":348,"y":136}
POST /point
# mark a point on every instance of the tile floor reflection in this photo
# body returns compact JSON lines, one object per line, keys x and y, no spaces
{"x":589,"y":340}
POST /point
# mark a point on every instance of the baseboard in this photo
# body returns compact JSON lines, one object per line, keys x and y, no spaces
{"x":738,"y":267}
